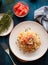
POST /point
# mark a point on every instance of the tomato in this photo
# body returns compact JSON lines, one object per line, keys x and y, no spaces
{"x":23,"y":13}
{"x":20,"y":9}
{"x":25,"y":40}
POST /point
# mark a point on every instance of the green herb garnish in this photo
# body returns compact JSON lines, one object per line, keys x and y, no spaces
{"x":5,"y":23}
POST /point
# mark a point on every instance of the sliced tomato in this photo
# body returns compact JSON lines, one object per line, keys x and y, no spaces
{"x":23,"y":13}
{"x":20,"y":13}
{"x":25,"y":10}
{"x":20,"y":9}
{"x":16,"y":6}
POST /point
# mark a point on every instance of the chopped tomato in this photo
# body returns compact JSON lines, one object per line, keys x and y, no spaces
{"x":23,"y":13}
{"x":16,"y":6}
{"x":26,"y":8}
{"x":20,"y":9}
{"x":25,"y":40}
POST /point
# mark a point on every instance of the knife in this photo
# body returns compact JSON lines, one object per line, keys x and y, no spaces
{"x":6,"y":49}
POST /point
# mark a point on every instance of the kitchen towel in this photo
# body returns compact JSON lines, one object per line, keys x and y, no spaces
{"x":41,"y":15}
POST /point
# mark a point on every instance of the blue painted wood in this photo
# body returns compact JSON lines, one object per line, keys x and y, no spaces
{"x":33,"y":5}
{"x":4,"y":58}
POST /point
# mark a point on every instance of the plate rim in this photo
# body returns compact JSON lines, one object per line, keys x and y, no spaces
{"x":12,"y":50}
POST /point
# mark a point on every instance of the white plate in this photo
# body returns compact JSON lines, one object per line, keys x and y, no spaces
{"x":9,"y":29}
{"x":35,"y":27}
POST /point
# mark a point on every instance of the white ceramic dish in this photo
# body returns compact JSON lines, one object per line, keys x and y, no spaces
{"x":35,"y":27}
{"x":9,"y":29}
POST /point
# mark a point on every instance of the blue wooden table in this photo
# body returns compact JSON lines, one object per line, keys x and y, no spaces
{"x":4,"y":7}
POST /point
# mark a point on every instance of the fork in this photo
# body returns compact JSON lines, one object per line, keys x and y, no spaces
{"x":6,"y":49}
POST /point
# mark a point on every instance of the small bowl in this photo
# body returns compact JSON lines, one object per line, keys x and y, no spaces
{"x":23,"y":4}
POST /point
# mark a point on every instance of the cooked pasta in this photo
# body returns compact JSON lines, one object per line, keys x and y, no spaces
{"x":29,"y":41}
